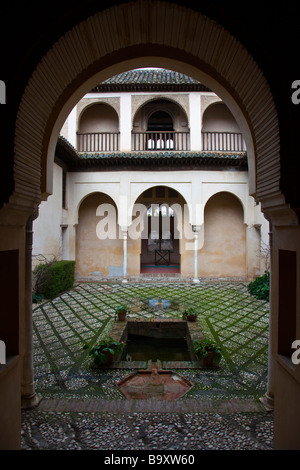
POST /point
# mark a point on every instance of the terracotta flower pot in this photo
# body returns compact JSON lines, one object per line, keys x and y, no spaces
{"x":109,"y":357}
{"x":191,"y":317}
{"x":208,"y":360}
{"x":122,"y":315}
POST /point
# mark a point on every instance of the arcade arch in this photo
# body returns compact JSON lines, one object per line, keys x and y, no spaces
{"x":99,"y":249}
{"x":98,"y":128}
{"x":220,"y":131}
{"x":163,"y":231}
{"x":162,"y":123}
{"x":224,"y":250}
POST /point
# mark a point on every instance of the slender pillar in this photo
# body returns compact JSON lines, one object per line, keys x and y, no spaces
{"x":28,"y":395}
{"x":195,"y":122}
{"x":72,"y":135}
{"x":124,"y":233}
{"x":268,"y":400}
{"x":196,"y":231}
{"x":125,"y":122}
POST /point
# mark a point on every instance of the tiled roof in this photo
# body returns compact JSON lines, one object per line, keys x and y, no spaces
{"x":150,"y":79}
{"x":164,"y":155}
{"x":76,"y":161}
{"x":151,"y":76}
{"x":160,"y":160}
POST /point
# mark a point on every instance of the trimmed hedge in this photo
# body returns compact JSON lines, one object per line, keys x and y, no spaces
{"x":260,"y":287}
{"x":54,"y":278}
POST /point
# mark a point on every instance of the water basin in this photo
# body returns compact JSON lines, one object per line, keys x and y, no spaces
{"x":145,"y":348}
{"x":154,"y":384}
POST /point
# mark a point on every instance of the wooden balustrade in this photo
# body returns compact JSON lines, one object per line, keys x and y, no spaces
{"x":98,"y":142}
{"x":223,"y":141}
{"x":156,"y":141}
{"x":160,"y":141}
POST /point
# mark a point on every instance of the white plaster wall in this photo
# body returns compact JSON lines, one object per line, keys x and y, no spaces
{"x":47,"y":227}
{"x":68,"y":130}
{"x":218,"y":118}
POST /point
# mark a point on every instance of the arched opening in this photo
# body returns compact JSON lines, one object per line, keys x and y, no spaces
{"x":98,"y":129}
{"x":220,"y":130}
{"x":161,"y":124}
{"x":160,"y":121}
{"x":161,"y":234}
{"x":160,"y":127}
{"x":99,"y":250}
{"x":224,"y":250}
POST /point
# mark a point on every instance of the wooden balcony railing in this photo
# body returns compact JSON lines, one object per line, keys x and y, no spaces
{"x":223,"y":141}
{"x":98,"y":142}
{"x":156,"y":141}
{"x":160,"y":141}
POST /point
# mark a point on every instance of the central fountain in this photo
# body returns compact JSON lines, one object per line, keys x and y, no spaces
{"x":154,"y":383}
{"x":155,"y":349}
{"x":159,"y":303}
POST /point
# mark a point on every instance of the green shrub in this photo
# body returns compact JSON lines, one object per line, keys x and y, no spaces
{"x":54,"y":277}
{"x":260,"y":287}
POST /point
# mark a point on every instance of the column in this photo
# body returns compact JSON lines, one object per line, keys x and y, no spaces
{"x":268,"y":400}
{"x":196,"y":229}
{"x":124,"y":234}
{"x":72,"y":134}
{"x":71,"y":241}
{"x":28,"y":396}
{"x":125,"y":122}
{"x":195,"y":122}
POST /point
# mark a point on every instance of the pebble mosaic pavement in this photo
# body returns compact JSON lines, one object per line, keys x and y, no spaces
{"x":82,"y":408}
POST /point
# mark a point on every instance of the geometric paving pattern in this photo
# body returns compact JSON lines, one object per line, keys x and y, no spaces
{"x":228,"y":314}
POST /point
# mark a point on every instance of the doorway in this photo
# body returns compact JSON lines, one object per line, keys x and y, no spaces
{"x":160,"y":247}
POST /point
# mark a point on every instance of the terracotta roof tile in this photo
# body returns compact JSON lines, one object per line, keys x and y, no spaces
{"x":150,"y":79}
{"x":151,"y":76}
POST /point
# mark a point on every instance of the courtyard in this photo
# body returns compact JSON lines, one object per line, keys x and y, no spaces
{"x":82,"y":408}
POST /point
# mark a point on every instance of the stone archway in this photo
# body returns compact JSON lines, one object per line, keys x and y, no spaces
{"x":168,"y":35}
{"x":104,"y":45}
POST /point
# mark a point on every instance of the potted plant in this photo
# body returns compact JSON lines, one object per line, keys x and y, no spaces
{"x":122,"y":311}
{"x":208,"y":352}
{"x":104,"y":350}
{"x":190,"y":315}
